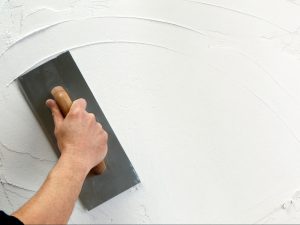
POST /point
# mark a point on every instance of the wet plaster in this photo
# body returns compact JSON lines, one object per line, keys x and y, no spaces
{"x":203,"y":96}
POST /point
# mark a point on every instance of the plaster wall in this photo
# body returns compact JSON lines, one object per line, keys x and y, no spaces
{"x":203,"y":95}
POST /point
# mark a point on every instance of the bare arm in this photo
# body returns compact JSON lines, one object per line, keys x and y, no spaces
{"x":83,"y":144}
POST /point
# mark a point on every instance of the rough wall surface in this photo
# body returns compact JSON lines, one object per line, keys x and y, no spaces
{"x":204,"y":96}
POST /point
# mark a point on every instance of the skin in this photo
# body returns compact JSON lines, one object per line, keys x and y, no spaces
{"x":83,"y":144}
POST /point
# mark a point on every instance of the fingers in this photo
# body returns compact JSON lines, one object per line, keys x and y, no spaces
{"x":100,"y":126}
{"x":102,"y":131}
{"x":92,"y":117}
{"x":57,"y":116}
{"x":79,"y":103}
{"x":78,"y":107}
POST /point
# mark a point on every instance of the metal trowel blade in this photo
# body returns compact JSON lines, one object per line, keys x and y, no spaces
{"x":36,"y":86}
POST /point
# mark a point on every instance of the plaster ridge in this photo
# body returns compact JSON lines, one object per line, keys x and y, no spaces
{"x":30,"y":34}
{"x":291,"y":131}
{"x":265,"y":71}
{"x":106,"y":216}
{"x":102,"y":17}
{"x":241,"y":13}
{"x":145,"y":212}
{"x":294,"y":2}
{"x":37,"y":10}
{"x":24,"y":153}
{"x":6,"y":195}
{"x":277,"y":83}
{"x":16,"y":186}
{"x":4,"y":181}
{"x":16,"y":193}
{"x":263,"y":218}
{"x":91,"y":44}
{"x":287,"y":206}
{"x":70,"y":8}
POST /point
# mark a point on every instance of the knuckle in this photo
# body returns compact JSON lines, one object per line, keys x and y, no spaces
{"x":81,"y":101}
{"x":75,"y":102}
{"x":105,"y":135}
{"x":76,"y":111}
{"x":92,"y":116}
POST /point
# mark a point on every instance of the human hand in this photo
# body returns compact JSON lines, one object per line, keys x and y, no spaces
{"x":80,"y":138}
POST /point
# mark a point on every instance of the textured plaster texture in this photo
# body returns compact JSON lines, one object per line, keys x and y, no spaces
{"x":204,"y":96}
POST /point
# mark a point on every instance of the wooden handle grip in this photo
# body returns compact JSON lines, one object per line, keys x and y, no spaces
{"x":64,"y":103}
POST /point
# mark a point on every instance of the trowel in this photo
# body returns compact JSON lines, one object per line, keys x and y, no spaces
{"x":61,"y":80}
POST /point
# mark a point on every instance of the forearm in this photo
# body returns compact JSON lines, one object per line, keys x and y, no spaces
{"x":83,"y":144}
{"x":54,"y":202}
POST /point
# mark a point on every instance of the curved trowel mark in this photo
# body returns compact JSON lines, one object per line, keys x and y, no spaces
{"x":30,"y":34}
{"x":241,"y":13}
{"x":101,"y":17}
{"x":49,"y":57}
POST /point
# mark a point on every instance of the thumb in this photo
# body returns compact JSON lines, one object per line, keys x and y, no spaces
{"x":57,"y":116}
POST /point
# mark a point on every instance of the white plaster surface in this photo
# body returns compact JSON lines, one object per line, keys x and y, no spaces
{"x":204,"y":96}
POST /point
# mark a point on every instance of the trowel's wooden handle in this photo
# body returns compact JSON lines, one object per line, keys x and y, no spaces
{"x":62,"y":99}
{"x":64,"y":103}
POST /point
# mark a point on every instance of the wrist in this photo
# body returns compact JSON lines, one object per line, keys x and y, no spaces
{"x":73,"y":165}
